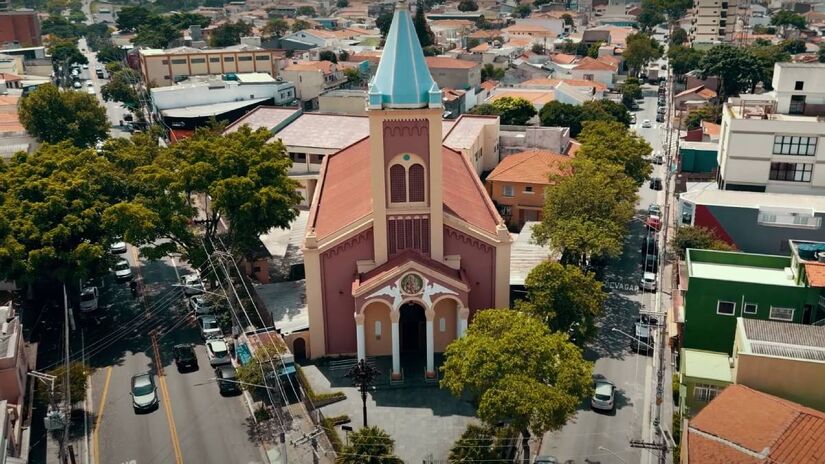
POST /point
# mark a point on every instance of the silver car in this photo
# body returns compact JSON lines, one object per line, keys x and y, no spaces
{"x":88,"y":299}
{"x":604,"y":394}
{"x":217,"y":351}
{"x":144,"y":393}
{"x":123,"y":271}
{"x":209,"y":327}
{"x":192,"y":284}
{"x":200,"y":305}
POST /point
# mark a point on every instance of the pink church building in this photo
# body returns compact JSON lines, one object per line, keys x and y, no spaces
{"x":403,"y":244}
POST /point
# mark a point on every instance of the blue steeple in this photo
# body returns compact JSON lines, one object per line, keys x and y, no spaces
{"x":403,"y":79}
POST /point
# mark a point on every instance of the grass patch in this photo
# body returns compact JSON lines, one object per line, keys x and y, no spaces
{"x":318,"y":399}
{"x":328,"y":424}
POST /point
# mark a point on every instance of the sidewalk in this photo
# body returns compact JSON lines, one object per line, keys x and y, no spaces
{"x":78,"y":446}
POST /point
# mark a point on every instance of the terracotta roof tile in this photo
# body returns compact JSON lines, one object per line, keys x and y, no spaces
{"x":401,"y":259}
{"x":711,"y":129}
{"x":464,"y":195}
{"x":323,"y":66}
{"x":769,"y":430}
{"x":534,"y":97}
{"x":443,"y":62}
{"x":563,"y":58}
{"x":590,"y":64}
{"x":527,"y":27}
{"x":533,"y":167}
{"x":489,"y":85}
{"x":815,"y":273}
{"x":482,"y":47}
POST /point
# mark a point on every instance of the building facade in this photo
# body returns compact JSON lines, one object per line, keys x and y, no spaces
{"x":772,"y":142}
{"x":165,"y":67}
{"x":713,"y":21}
{"x":403,"y":245}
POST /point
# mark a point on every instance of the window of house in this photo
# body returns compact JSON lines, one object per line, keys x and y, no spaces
{"x":262,"y":58}
{"x":316,"y":159}
{"x":704,"y":392}
{"x":725,"y":308}
{"x":781,"y":314}
{"x":508,"y":191}
{"x":528,"y":189}
{"x":791,"y":172}
{"x":198,"y":60}
{"x":794,"y":145}
{"x":750,"y":308}
{"x":179,"y":61}
{"x":798,"y":85}
{"x":228,"y":59}
{"x":398,"y":184}
{"x":245,"y":58}
{"x":214,"y":59}
{"x":378,"y":330}
{"x":298,"y":157}
{"x":588,"y":77}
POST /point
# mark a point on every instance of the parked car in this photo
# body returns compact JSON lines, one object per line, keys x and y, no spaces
{"x":642,"y":341}
{"x":123,"y":271}
{"x":209,"y":327}
{"x":654,"y":222}
{"x":656,"y":183}
{"x":144,"y":392}
{"x":660,"y":117}
{"x":227,"y":380}
{"x":648,"y":282}
{"x":88,"y":299}
{"x":546,"y":460}
{"x":658,"y":158}
{"x":77,"y":85}
{"x":632,"y":118}
{"x":217,"y":351}
{"x":646,"y":123}
{"x":654,"y":209}
{"x":192,"y":284}
{"x":200,"y":306}
{"x":117,"y":247}
{"x":604,"y":395}
{"x":185,"y":357}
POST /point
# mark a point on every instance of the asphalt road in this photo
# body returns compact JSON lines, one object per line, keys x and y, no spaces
{"x":114,"y":110}
{"x":193,"y":422}
{"x":595,"y":437}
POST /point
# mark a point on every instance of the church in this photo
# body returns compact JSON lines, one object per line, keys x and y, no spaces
{"x":403,"y":245}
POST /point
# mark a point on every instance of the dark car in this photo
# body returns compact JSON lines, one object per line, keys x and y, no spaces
{"x":227,"y":380}
{"x":656,"y":183}
{"x":185,"y":356}
{"x":660,"y":117}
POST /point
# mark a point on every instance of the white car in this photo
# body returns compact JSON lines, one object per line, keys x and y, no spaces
{"x":209,"y":327}
{"x":117,"y":247}
{"x":646,"y":123}
{"x":200,"y":305}
{"x":604,"y":395}
{"x":192,"y":284}
{"x":123,"y":271}
{"x":88,"y":299}
{"x":77,"y":85}
{"x":217,"y":351}
{"x":648,"y":282}
{"x":90,"y":84}
{"x":84,"y":66}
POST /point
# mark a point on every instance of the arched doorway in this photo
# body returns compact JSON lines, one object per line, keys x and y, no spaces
{"x":299,"y":349}
{"x":412,"y":328}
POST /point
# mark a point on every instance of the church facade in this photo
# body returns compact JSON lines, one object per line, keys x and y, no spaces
{"x":403,"y":244}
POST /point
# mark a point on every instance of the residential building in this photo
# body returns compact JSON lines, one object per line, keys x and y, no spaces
{"x":712,"y":21}
{"x":14,"y":437}
{"x":755,"y":222}
{"x":781,"y":359}
{"x":696,"y":97}
{"x":772,"y":142}
{"x":19,"y":28}
{"x":450,"y":32}
{"x":592,"y":69}
{"x":594,"y":90}
{"x":10,"y":64}
{"x":537,"y":97}
{"x":401,"y":228}
{"x":742,"y":425}
{"x":517,"y":184}
{"x":165,"y":67}
{"x":698,"y":157}
{"x":454,"y":73}
{"x":722,"y":286}
{"x":702,"y":376}
{"x":14,"y":364}
{"x":343,"y":101}
{"x":516,"y":139}
{"x":312,"y":78}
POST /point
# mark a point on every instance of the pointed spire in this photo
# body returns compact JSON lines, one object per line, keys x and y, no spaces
{"x":403,"y":79}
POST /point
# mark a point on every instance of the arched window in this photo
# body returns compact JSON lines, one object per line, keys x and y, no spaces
{"x":416,"y":183}
{"x":398,"y":184}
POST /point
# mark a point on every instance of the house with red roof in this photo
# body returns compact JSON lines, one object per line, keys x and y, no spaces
{"x":403,"y":244}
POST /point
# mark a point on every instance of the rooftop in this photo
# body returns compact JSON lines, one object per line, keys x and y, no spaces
{"x":708,"y":365}
{"x":324,"y":131}
{"x":270,"y":117}
{"x":525,"y":254}
{"x":464,"y":131}
{"x":286,"y":302}
{"x":756,"y":200}
{"x":534,"y":96}
{"x":325,"y":67}
{"x":769,"y":430}
{"x":783,"y":339}
{"x":211,"y":109}
{"x":445,"y":62}
{"x":532,"y":166}
{"x":740,"y":267}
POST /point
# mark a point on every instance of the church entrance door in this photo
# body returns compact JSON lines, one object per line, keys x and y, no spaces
{"x":412,"y":328}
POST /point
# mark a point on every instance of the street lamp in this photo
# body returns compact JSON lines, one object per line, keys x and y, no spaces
{"x":602,"y":448}
{"x":362,"y":375}
{"x":632,"y":337}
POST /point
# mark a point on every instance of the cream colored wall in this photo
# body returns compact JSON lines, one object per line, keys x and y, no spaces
{"x":308,"y":84}
{"x":156,"y":71}
{"x":444,"y":309}
{"x":791,"y":379}
{"x":378,"y":346}
{"x":315,"y":307}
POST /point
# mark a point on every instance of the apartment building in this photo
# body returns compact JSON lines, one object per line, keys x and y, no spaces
{"x":165,"y":67}
{"x":713,"y":21}
{"x":771,"y":142}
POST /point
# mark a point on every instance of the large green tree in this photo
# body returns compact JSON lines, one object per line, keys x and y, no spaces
{"x":229,"y":34}
{"x":514,"y":111}
{"x":684,"y":59}
{"x":120,"y":88}
{"x":467,"y":5}
{"x":611,"y":142}
{"x":737,"y":68}
{"x":65,"y":52}
{"x":130,"y":18}
{"x":565,"y":298}
{"x":586,"y":214}
{"x":557,"y":114}
{"x":78,"y":373}
{"x":276,"y":27}
{"x":518,"y":372}
{"x":650,"y":16}
{"x":480,"y":444}
{"x":710,"y":113}
{"x":679,"y":37}
{"x":369,"y":445}
{"x":639,"y":50}
{"x":54,"y":116}
{"x":422,"y":29}
{"x":697,"y":237}
{"x":767,"y":55}
{"x":788,"y":18}
{"x":59,"y":26}
{"x":158,"y":34}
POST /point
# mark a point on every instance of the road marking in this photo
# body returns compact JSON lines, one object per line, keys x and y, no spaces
{"x":99,"y":420}
{"x":167,"y":403}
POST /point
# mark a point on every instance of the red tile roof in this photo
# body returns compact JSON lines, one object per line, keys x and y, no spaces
{"x":815,"y":274}
{"x":590,"y":64}
{"x":489,"y":85}
{"x":443,"y":62}
{"x":532,"y":167}
{"x":563,"y":58}
{"x":711,"y":129}
{"x":323,"y":66}
{"x":700,"y":91}
{"x":742,"y":425}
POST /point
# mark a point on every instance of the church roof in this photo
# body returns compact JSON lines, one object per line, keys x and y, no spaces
{"x":344,"y":195}
{"x":403,"y":79}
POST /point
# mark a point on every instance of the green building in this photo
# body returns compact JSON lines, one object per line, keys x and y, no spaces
{"x":699,"y":157}
{"x":702,"y":375}
{"x":723,"y":285}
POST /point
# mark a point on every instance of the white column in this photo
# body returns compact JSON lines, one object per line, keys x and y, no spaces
{"x":361,"y":340}
{"x":396,"y":346}
{"x":461,"y":326}
{"x":430,"y":344}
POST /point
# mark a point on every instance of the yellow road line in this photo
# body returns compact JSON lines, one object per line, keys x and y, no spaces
{"x":100,"y":409}
{"x":167,"y":403}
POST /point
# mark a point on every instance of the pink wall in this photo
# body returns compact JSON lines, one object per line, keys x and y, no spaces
{"x":338,"y":270}
{"x":478,"y":260}
{"x":412,"y":136}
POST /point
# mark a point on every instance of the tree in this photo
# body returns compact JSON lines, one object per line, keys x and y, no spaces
{"x":276,"y":27}
{"x":422,"y":29}
{"x":65,"y":52}
{"x":640,"y":49}
{"x":605,"y":110}
{"x":229,"y":34}
{"x":485,"y":109}
{"x":557,"y":114}
{"x":711,"y":113}
{"x":157,"y":35}
{"x":78,"y":373}
{"x":568,"y":20}
{"x":514,"y":111}
{"x":369,"y":445}
{"x":522,"y":11}
{"x":58,"y":26}
{"x":684,"y":59}
{"x":130,"y":18}
{"x":538,"y":49}
{"x":300,"y":25}
{"x":518,"y":372}
{"x":586,"y":214}
{"x":480,"y":444}
{"x":467,"y":5}
{"x":98,"y":36}
{"x":383,"y":23}
{"x":491,"y":73}
{"x":120,"y":88}
{"x":650,"y":16}
{"x":679,"y":37}
{"x":327,"y":55}
{"x":305,"y":11}
{"x":737,"y":68}
{"x":631,"y":90}
{"x":764,"y":30}
{"x":54,"y":116}
{"x":793,"y":46}
{"x":343,"y":55}
{"x":252,"y":373}
{"x":611,"y":142}
{"x":593,"y":49}
{"x":342,"y":3}
{"x":565,"y":298}
{"x":787,"y":18}
{"x":821,"y":54}
{"x":767,"y":55}
{"x":182,"y":21}
{"x":675,"y":9}
{"x":354,"y":76}
{"x":697,"y":237}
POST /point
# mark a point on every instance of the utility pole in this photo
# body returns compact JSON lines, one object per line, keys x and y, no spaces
{"x":363,"y":375}
{"x":67,"y":393}
{"x":661,"y":447}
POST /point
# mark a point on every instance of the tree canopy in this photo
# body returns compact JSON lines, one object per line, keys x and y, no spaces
{"x":422,"y":28}
{"x":120,"y":88}
{"x":328,"y":55}
{"x":276,"y":27}
{"x":788,"y":18}
{"x":467,"y":5}
{"x":697,"y":237}
{"x":639,"y":50}
{"x":305,"y":11}
{"x":130,"y":18}
{"x":65,"y":52}
{"x":78,"y":373}
{"x":684,"y":59}
{"x":710,"y":113}
{"x":611,"y":142}
{"x":252,"y":373}
{"x":679,"y":37}
{"x":229,"y":33}
{"x":53,"y":116}
{"x":557,"y":114}
{"x":490,"y":72}
{"x":737,"y":68}
{"x":565,"y":298}
{"x":517,"y":371}
{"x":480,"y":444}
{"x":514,"y":111}
{"x":369,"y":445}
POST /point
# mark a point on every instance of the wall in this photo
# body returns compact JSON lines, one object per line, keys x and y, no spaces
{"x":164,"y":69}
{"x":342,"y":104}
{"x":605,"y":77}
{"x":478,"y":262}
{"x":792,"y":379}
{"x":444,"y":309}
{"x":13,"y":367}
{"x":206,"y":94}
{"x":308,"y":84}
{"x":533,"y":201}
{"x":338,"y":270}
{"x":458,"y":78}
{"x":697,"y":160}
{"x":378,"y":345}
